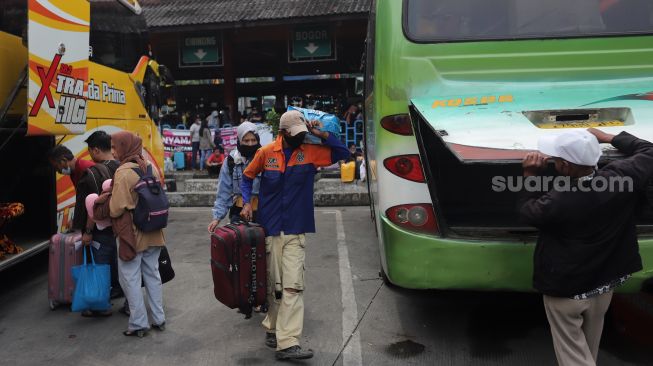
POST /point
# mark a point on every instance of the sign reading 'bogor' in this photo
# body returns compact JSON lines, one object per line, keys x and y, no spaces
{"x":200,"y":51}
{"x":311,"y":43}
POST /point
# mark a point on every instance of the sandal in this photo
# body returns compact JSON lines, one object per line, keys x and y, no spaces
{"x":140,"y":333}
{"x":160,"y":327}
{"x":125,"y":310}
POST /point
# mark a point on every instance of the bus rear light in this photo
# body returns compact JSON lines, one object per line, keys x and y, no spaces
{"x":406,"y":166}
{"x":398,"y":123}
{"x":415,"y":217}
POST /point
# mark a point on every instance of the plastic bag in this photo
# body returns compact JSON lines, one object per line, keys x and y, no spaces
{"x":92,"y":286}
{"x":330,"y":123}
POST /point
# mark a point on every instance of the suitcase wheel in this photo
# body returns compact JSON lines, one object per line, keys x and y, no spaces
{"x":53,"y":304}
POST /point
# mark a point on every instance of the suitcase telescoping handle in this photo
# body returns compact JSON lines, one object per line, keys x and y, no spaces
{"x":246,"y":223}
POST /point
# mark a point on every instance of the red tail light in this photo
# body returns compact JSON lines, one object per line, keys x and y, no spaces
{"x":406,"y":166}
{"x":398,"y":123}
{"x":418,"y":217}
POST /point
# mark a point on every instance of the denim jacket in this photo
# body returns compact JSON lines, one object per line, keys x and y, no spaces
{"x":229,"y":185}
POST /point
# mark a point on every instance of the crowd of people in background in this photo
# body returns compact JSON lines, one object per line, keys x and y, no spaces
{"x":348,"y":110}
{"x":207,"y":149}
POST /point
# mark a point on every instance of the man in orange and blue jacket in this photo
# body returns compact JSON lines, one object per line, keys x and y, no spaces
{"x":285,"y":210}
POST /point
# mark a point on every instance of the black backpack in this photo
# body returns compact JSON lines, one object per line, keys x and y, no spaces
{"x":151,"y":212}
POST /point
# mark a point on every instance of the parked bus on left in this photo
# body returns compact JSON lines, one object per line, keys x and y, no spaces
{"x":67,"y":69}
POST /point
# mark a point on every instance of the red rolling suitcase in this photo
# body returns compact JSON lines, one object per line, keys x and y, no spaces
{"x":238,"y":264}
{"x":63,"y":257}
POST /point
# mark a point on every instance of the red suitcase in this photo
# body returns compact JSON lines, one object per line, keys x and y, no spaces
{"x":239,"y":268}
{"x":63,"y":257}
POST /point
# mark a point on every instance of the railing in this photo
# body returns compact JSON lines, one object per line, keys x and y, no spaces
{"x":351,"y":134}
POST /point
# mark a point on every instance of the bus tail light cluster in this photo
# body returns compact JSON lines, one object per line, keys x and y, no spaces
{"x":418,"y":217}
{"x":406,"y":166}
{"x":398,"y":123}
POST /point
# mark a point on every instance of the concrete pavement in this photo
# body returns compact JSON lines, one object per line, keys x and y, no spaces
{"x":398,"y":326}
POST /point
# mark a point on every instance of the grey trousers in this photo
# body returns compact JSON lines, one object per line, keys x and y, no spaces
{"x":576,"y":327}
{"x":144,"y":268}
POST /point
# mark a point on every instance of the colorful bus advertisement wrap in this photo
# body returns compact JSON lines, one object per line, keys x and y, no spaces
{"x":58,"y":33}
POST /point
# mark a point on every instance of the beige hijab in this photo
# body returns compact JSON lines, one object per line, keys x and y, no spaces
{"x":129,"y":148}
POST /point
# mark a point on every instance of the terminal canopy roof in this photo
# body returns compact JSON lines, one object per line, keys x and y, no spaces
{"x":168,"y":13}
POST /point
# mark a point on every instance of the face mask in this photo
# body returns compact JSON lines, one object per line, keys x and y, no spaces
{"x":248,"y":151}
{"x":66,"y":171}
{"x":295,"y":141}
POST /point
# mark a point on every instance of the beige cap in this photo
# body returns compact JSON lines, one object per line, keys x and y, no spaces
{"x":294,"y":122}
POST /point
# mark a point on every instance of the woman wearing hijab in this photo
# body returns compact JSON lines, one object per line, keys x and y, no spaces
{"x":229,"y":198}
{"x":138,"y":251}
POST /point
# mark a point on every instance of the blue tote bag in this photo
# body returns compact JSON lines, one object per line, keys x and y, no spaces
{"x":92,"y":286}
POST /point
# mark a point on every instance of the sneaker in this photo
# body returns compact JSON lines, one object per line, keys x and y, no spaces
{"x":294,"y":353}
{"x":271,"y":340}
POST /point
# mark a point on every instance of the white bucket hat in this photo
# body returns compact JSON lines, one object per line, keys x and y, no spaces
{"x":577,"y":146}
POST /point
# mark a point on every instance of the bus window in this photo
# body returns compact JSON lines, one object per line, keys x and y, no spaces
{"x":118,"y":37}
{"x":460,"y":20}
{"x":13,"y":17}
{"x":629,"y":16}
{"x":557,"y":17}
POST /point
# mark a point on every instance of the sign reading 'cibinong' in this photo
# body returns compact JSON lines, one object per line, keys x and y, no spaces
{"x":200,"y":51}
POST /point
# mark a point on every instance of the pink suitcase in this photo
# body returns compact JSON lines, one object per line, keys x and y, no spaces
{"x":63,"y":257}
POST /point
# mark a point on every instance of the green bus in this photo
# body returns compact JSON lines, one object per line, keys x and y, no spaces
{"x":458,"y":91}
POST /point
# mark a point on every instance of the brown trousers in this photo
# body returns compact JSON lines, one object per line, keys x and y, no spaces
{"x":576,"y":327}
{"x":285,"y":317}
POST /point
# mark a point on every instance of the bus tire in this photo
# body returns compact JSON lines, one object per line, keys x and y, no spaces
{"x":384,"y":278}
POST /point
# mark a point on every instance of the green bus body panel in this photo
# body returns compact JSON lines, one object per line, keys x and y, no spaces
{"x":423,"y":262}
{"x":404,"y":70}
{"x":472,"y":123}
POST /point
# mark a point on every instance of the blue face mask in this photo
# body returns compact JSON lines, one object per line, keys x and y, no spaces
{"x":66,"y":171}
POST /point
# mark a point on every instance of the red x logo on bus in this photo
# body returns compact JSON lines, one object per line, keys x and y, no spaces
{"x":46,"y":80}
